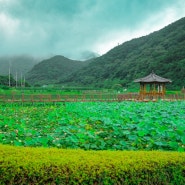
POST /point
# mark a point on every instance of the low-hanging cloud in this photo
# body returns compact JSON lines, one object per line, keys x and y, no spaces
{"x":69,"y":27}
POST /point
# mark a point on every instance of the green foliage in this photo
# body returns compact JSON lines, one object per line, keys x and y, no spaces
{"x":24,"y":165}
{"x":4,"y":87}
{"x":4,"y":81}
{"x":97,"y":126}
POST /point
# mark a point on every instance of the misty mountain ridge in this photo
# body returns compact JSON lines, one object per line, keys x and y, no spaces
{"x":21,"y":64}
{"x":53,"y":70}
{"x":162,"y":51}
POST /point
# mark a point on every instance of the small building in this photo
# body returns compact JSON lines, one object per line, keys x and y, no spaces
{"x":152,"y":86}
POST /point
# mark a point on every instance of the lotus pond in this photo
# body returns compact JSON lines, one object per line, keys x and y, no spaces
{"x":96,"y":125}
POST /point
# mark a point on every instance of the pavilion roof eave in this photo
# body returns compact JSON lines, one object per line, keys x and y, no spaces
{"x":141,"y":81}
{"x":153,"y":78}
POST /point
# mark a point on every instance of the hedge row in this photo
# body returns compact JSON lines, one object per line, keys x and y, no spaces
{"x":24,"y":165}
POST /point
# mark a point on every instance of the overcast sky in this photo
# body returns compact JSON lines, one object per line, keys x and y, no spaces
{"x":70,"y":27}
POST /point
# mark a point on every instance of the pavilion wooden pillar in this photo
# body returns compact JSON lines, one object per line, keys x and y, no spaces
{"x":154,"y":93}
{"x":141,"y":88}
{"x":159,"y":88}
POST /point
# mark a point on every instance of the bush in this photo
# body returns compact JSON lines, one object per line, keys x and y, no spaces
{"x":24,"y":165}
{"x":4,"y":87}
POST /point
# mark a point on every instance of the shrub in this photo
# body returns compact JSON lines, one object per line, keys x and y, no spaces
{"x":25,"y":165}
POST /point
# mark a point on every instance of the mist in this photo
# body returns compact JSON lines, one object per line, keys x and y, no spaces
{"x":72,"y":27}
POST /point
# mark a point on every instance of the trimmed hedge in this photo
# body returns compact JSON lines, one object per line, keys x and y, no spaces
{"x":24,"y":165}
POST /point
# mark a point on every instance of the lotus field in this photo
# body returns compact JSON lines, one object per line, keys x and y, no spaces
{"x":96,"y":125}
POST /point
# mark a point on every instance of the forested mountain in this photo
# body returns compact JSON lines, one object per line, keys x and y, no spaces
{"x":162,"y":52}
{"x":17,"y":64}
{"x":52,"y":70}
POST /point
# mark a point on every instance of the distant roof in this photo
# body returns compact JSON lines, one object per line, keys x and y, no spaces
{"x":152,"y":77}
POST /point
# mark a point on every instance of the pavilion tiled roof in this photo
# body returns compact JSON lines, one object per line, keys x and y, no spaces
{"x":152,"y":77}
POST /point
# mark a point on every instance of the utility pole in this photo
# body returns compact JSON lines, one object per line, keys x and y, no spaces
{"x":24,"y":81}
{"x":16,"y":79}
{"x":21,"y":79}
{"x":9,"y":84}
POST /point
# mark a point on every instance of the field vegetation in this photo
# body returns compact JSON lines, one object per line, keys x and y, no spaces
{"x":96,"y":125}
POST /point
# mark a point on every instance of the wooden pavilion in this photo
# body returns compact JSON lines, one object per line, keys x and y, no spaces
{"x":152,"y":86}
